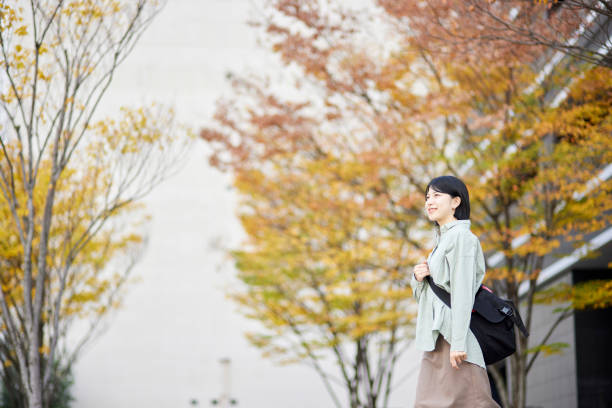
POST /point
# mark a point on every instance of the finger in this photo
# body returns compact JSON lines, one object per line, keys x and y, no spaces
{"x":453,"y":363}
{"x":458,"y":361}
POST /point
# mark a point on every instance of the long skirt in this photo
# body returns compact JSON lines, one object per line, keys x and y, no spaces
{"x":440,"y":385}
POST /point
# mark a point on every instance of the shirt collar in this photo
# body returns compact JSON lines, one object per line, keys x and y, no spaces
{"x":453,"y":224}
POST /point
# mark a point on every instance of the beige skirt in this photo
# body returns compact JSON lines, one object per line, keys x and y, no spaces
{"x":440,"y":385}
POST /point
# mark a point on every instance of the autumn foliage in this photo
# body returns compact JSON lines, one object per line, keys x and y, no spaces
{"x":530,"y":30}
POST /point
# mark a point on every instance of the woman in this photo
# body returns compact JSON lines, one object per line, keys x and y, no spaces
{"x":453,"y":372}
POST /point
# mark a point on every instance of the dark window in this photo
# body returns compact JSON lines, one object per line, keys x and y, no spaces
{"x":593,"y":331}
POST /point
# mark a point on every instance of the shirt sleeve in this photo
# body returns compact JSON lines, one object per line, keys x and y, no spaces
{"x":462,"y":265}
{"x":417,"y":287}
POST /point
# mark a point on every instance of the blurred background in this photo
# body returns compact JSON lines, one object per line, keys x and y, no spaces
{"x":220,"y":202}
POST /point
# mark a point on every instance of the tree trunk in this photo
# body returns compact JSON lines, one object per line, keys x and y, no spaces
{"x":34,"y":391}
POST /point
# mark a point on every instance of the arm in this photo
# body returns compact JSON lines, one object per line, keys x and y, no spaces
{"x":462,"y":262}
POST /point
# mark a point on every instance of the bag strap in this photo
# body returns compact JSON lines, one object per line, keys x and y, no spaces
{"x":440,"y":293}
{"x":516,"y":318}
{"x":444,"y":296}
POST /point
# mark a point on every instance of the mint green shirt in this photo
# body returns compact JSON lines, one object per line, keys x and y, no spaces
{"x":457,"y":265}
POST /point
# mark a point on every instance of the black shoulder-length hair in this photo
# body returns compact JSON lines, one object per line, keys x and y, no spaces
{"x":456,"y":188}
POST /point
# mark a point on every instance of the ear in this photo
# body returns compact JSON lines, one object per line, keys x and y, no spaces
{"x":455,"y":202}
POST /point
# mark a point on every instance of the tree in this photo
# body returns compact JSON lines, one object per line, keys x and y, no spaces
{"x":322,"y":270}
{"x":95,"y":239}
{"x":328,"y":216}
{"x":92,"y":288}
{"x":12,"y":395}
{"x":578,"y":28}
{"x":68,"y":180}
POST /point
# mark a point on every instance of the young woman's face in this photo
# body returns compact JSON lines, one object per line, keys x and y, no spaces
{"x":440,"y":207}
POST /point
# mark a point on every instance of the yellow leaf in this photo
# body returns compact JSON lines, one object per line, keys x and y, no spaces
{"x":21,"y":31}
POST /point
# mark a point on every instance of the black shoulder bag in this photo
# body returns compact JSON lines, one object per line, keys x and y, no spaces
{"x":493,"y":320}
